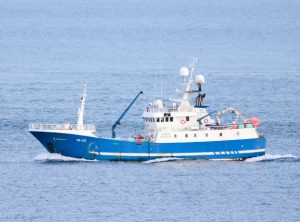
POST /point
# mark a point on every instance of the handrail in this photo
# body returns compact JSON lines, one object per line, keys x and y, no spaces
{"x":66,"y":126}
{"x":170,"y":109}
{"x":230,"y":126}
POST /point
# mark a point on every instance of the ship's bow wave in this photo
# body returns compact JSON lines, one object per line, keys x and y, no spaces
{"x":54,"y":157}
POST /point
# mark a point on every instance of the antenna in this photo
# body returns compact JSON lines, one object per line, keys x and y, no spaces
{"x":194,"y":61}
{"x":161,"y":86}
{"x":155,"y":86}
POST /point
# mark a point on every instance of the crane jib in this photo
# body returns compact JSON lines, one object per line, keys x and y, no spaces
{"x":123,"y":114}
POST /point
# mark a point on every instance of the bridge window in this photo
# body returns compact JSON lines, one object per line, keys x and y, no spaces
{"x":157,"y":119}
{"x":171,"y":119}
{"x":187,"y":118}
{"x":167,"y":119}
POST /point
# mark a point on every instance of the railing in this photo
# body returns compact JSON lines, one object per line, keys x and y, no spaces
{"x":66,"y":126}
{"x":170,"y":109}
{"x":231,"y":126}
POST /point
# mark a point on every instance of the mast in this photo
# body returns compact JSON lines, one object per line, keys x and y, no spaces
{"x":185,"y":100}
{"x":82,"y":104}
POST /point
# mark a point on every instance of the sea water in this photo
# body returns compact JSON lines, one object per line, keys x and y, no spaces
{"x":249,"y":54}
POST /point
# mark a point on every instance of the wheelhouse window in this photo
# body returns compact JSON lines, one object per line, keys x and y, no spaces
{"x":162,"y":119}
{"x":171,"y":119}
{"x":157,"y":119}
{"x":221,"y":134}
{"x":167,"y":119}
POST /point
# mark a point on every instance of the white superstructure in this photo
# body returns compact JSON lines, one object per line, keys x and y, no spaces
{"x":184,"y":122}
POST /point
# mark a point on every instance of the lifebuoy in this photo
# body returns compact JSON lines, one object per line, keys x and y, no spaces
{"x":205,"y":121}
{"x":182,"y":121}
{"x":234,"y":126}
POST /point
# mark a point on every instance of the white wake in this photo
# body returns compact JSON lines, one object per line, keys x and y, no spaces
{"x":270,"y":157}
{"x":165,"y":159}
{"x":56,"y":157}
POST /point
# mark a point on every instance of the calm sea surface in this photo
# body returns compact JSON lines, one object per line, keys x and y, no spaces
{"x":249,"y":52}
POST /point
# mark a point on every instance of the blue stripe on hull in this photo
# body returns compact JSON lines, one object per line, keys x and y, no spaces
{"x":112,"y":149}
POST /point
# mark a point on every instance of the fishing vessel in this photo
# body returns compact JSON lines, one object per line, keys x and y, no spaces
{"x":184,"y":129}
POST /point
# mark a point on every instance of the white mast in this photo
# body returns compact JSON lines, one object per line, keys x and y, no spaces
{"x":81,"y":108}
{"x":185,"y":100}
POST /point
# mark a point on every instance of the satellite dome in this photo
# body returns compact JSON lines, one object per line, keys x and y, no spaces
{"x":158,"y":104}
{"x":184,"y":72}
{"x":199,"y":79}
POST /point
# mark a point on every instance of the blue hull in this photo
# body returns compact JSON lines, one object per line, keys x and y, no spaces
{"x":114,"y":149}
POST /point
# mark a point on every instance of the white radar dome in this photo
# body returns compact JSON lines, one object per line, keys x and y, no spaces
{"x":158,"y":104}
{"x":199,"y":79}
{"x":184,"y":72}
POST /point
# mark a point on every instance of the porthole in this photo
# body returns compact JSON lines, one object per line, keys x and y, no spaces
{"x":186,"y":135}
